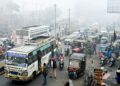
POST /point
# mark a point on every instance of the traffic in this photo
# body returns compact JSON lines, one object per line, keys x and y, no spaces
{"x":59,"y":43}
{"x":25,"y":62}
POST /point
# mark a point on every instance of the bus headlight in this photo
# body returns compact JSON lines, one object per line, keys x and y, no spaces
{"x":25,"y":73}
{"x":6,"y":71}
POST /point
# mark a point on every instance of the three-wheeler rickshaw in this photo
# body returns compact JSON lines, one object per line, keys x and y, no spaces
{"x":77,"y":65}
{"x":78,"y":45}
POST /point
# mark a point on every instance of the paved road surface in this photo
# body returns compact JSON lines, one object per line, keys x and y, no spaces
{"x":61,"y":77}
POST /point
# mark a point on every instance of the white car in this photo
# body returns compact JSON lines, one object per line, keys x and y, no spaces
{"x":68,"y":41}
{"x":116,"y":43}
{"x":104,"y":40}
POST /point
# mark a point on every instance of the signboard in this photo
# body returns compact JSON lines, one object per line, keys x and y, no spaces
{"x":113,"y":6}
{"x":15,"y":54}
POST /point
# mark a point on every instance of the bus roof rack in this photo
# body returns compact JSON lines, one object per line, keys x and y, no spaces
{"x":40,"y":41}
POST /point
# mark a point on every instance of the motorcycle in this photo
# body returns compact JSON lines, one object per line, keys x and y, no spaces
{"x":61,"y":64}
{"x":112,"y":62}
{"x":103,"y":61}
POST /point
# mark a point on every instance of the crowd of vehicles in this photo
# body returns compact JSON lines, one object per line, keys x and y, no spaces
{"x":24,"y":62}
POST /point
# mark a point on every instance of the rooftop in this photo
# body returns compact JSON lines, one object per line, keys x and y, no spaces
{"x":23,"y":49}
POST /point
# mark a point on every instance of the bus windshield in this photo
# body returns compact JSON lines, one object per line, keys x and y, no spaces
{"x":16,"y":61}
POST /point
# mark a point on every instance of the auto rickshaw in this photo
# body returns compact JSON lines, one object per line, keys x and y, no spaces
{"x":78,"y":45}
{"x":77,"y":65}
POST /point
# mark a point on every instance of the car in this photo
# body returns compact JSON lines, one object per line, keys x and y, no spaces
{"x":68,"y":41}
{"x":116,"y":43}
{"x":104,"y":40}
{"x":103,"y":47}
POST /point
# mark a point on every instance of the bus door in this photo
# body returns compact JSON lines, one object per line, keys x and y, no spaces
{"x":39,"y":59}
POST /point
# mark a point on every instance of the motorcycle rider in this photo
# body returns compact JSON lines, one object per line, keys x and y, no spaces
{"x":61,"y":61}
{"x":112,"y":60}
{"x":118,"y":75}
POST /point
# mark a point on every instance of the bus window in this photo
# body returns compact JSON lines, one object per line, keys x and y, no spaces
{"x":52,"y":47}
{"x":39,"y":54}
{"x":32,"y":58}
{"x":49,"y":49}
{"x":29,"y":60}
{"x":43,"y":53}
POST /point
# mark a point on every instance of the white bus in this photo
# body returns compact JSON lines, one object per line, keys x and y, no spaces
{"x":29,"y":33}
{"x":25,"y":62}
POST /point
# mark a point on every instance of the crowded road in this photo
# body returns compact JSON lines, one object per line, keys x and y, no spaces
{"x":62,"y":75}
{"x":60,"y":80}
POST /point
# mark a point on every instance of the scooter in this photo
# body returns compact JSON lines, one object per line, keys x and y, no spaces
{"x":112,"y":62}
{"x":103,"y":61}
{"x":61,"y":64}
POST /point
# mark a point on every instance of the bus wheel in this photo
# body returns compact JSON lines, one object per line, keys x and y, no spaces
{"x":34,"y":75}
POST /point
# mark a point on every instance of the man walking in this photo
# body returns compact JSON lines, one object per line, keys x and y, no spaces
{"x":54,"y":67}
{"x":45,"y":73}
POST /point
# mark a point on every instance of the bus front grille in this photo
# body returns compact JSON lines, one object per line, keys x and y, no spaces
{"x":13,"y":72}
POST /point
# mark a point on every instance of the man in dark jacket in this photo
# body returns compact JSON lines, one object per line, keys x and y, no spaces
{"x":54,"y":67}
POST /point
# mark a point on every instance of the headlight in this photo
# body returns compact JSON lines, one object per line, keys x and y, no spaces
{"x":25,"y":73}
{"x":5,"y":70}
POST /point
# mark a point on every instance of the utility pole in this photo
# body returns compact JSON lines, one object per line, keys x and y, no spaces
{"x":69,"y":21}
{"x":55,"y":20}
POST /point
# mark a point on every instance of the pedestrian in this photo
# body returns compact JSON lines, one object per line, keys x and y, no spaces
{"x":89,"y":50}
{"x":101,"y":55}
{"x":67,"y":84}
{"x":118,"y":75}
{"x":45,"y":73}
{"x":118,"y":71}
{"x":51,"y":67}
{"x":94,"y":47}
{"x":54,"y":67}
{"x":67,"y":51}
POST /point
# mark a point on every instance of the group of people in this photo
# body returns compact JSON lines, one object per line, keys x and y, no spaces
{"x":108,"y":56}
{"x":51,"y":66}
{"x":91,"y":48}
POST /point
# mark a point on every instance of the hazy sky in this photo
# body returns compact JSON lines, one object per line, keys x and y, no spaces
{"x":90,"y":10}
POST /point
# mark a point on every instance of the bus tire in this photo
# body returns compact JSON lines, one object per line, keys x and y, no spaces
{"x":34,"y":75}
